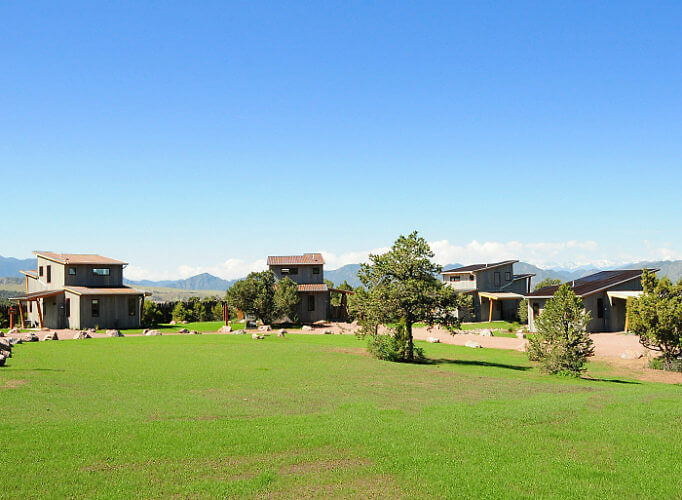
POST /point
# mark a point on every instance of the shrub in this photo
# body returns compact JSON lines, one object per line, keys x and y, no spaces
{"x":151,"y":314}
{"x":661,"y":363}
{"x":523,"y":311}
{"x":393,"y":346}
{"x":562,"y":344}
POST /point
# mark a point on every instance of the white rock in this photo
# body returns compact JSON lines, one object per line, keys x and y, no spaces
{"x":265,"y":328}
{"x":194,"y":332}
{"x":13,"y":331}
{"x":281,"y":333}
{"x":173,"y":323}
{"x":631,"y":355}
{"x":225,"y":329}
{"x":255,"y":336}
{"x":475,"y":345}
{"x":327,"y":332}
{"x":486,"y":333}
{"x":153,"y":333}
{"x":51,"y":336}
{"x":307,"y":328}
{"x":183,"y":330}
{"x":82,"y":335}
{"x":114,"y":333}
{"x":433,"y":340}
{"x":2,"y":360}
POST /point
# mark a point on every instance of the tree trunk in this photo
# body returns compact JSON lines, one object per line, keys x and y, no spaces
{"x":410,"y":343}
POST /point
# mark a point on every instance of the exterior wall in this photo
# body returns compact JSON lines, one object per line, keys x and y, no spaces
{"x":57,"y":274}
{"x":503,"y":310}
{"x":85,"y":276}
{"x":113,"y":312}
{"x":485,"y":279}
{"x":74,"y":319}
{"x":322,"y":307}
{"x":465,"y":282}
{"x":305,"y":273}
{"x":518,"y":286}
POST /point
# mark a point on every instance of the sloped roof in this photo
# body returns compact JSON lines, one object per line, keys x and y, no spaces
{"x":38,"y":295}
{"x":473,"y":268}
{"x":78,"y":258}
{"x":86,"y":290}
{"x":291,"y":260}
{"x":593,"y":283}
{"x":312,"y":287}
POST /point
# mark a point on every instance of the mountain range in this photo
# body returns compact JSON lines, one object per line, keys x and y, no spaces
{"x":9,"y":267}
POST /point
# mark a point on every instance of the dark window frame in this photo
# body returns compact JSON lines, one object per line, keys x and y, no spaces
{"x":48,"y":273}
{"x":132,"y":306}
{"x":40,"y":271}
{"x":472,"y":277}
{"x":72,"y":270}
{"x":497,"y":278}
{"x":105,"y":271}
{"x":316,"y":270}
{"x":311,"y":303}
{"x":67,"y":308}
{"x":600,"y":308}
{"x":94,"y":308}
{"x":507,"y":276}
{"x":455,"y":278}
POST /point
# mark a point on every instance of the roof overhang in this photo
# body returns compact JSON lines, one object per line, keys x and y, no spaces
{"x":501,"y":295}
{"x":82,"y":290}
{"x":30,"y":274}
{"x":479,"y":269}
{"x":625,"y":295}
{"x":37,"y":295}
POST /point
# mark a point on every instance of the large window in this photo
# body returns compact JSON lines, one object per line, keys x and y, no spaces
{"x":507,"y":276}
{"x":454,"y":278}
{"x":311,"y":302}
{"x":49,"y":274}
{"x":101,"y":271}
{"x":316,"y":270}
{"x":600,"y":308}
{"x":40,"y":271}
{"x":72,"y":271}
{"x":290,"y":270}
{"x":497,"y":279}
{"x":67,"y":308}
{"x":132,"y":306}
{"x":95,"y":308}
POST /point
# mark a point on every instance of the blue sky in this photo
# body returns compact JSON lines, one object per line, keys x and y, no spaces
{"x":203,"y":137}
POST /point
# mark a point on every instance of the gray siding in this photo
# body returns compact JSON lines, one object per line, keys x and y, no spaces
{"x":85,"y":277}
{"x":113,"y":312}
{"x":321,"y":312}
{"x":305,"y":273}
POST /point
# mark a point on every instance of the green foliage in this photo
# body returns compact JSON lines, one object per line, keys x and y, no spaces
{"x":393,"y":346}
{"x":151,"y":315}
{"x":523,"y":311}
{"x":671,"y":365}
{"x":562,"y":344}
{"x":656,"y":316}
{"x":335,"y":297}
{"x":401,"y":284}
{"x":255,"y":295}
{"x":196,"y":309}
{"x":547,"y":282}
{"x":287,"y":300}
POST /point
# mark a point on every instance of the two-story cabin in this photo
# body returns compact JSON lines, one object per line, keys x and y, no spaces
{"x":604,"y":296}
{"x":307,"y":271}
{"x":495,"y":289}
{"x":79,"y":291}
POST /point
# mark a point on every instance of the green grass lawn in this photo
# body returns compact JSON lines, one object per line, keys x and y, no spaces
{"x":200,"y":326}
{"x":314,"y":416}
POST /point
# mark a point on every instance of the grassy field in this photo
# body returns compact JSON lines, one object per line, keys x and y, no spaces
{"x":313,"y":415}
{"x":200,"y":326}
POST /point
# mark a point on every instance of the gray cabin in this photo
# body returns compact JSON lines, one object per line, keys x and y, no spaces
{"x":495,"y":289}
{"x":78,"y":291}
{"x":604,"y":296}
{"x":307,"y":271}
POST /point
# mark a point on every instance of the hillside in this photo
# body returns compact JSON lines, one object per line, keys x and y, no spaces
{"x":347,"y":273}
{"x":202,"y":281}
{"x":10,"y":267}
{"x":670,"y":268}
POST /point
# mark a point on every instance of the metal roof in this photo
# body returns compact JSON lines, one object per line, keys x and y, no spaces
{"x":85,"y":290}
{"x":501,"y":295}
{"x":290,"y":260}
{"x":474,"y":268}
{"x":312,"y":287}
{"x":78,"y":258}
{"x":523,"y":276}
{"x":38,"y":295}
{"x":32,"y":274}
{"x":593,"y":283}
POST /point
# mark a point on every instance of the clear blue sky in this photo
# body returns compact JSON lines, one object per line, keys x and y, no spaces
{"x":195,"y":133}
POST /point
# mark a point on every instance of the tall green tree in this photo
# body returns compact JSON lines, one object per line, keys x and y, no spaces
{"x":562,"y":344}
{"x":255,"y":295}
{"x":547,"y":282}
{"x":404,"y":281}
{"x":287,"y":300}
{"x":656,"y":316}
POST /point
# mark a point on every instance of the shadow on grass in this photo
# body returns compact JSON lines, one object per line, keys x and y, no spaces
{"x":466,"y":362}
{"x":36,"y":369}
{"x":612,"y":380}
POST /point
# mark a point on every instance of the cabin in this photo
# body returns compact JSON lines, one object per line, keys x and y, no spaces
{"x":78,"y":291}
{"x":604,"y":296}
{"x":495,"y":289}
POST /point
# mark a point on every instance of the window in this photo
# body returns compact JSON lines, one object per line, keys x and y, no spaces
{"x":600,"y":308}
{"x":471,"y":277}
{"x":507,"y":276}
{"x":49,"y":274}
{"x":67,"y":308}
{"x":311,"y":302}
{"x":40,"y":271}
{"x":285,"y":270}
{"x":316,"y":270}
{"x":455,"y":278}
{"x":536,"y":310}
{"x":293,"y":270}
{"x":30,"y":306}
{"x":102,"y":271}
{"x":72,"y":271}
{"x":95,"y":308}
{"x":132,"y":306}
{"x":497,"y":278}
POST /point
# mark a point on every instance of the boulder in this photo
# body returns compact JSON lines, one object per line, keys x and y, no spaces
{"x":114,"y":333}
{"x":184,"y":322}
{"x":255,"y":336}
{"x":173,"y":323}
{"x":520,"y":335}
{"x":2,"y":360}
{"x":265,"y":328}
{"x":15,"y":340}
{"x":91,"y":331}
{"x":433,"y":340}
{"x":81,"y":335}
{"x":183,"y":330}
{"x":307,"y":328}
{"x":1,"y":334}
{"x":153,"y":333}
{"x":474,"y":345}
{"x":320,"y":322}
{"x":631,"y":355}
{"x":13,"y":331}
{"x":225,"y":329}
{"x":194,"y":332}
{"x":327,"y":332}
{"x":51,"y":336}
{"x":281,"y":332}
{"x":6,"y":354}
{"x":486,"y":332}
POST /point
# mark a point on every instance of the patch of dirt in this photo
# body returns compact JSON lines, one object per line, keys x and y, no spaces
{"x":13,"y":384}
{"x":638,"y":369}
{"x":319,"y":466}
{"x":360,"y":351}
{"x":366,"y":486}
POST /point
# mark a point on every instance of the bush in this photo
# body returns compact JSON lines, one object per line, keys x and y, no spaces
{"x":392,"y":347}
{"x":523,"y":311}
{"x":151,"y":314}
{"x":661,"y":363}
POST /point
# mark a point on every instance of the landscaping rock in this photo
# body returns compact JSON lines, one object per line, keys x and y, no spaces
{"x":320,"y":322}
{"x":474,"y":345}
{"x":225,"y":329}
{"x":15,"y":340}
{"x":1,"y":334}
{"x":183,"y":330}
{"x":433,"y":340}
{"x":13,"y":331}
{"x":327,"y":332}
{"x":281,"y":332}
{"x":184,"y":322}
{"x":520,"y":335}
{"x":153,"y":333}
{"x":631,"y":355}
{"x":2,"y":360}
{"x":82,"y":335}
{"x":194,"y":332}
{"x":307,"y":328}
{"x":486,"y":332}
{"x":6,"y":354}
{"x":265,"y":328}
{"x":51,"y":336}
{"x":91,"y":331}
{"x":114,"y":333}
{"x":173,"y":323}
{"x":255,"y":336}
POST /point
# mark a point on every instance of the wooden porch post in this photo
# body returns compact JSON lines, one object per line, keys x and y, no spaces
{"x":490,"y":316}
{"x":627,"y":318}
{"x":40,"y":314}
{"x":21,"y":315}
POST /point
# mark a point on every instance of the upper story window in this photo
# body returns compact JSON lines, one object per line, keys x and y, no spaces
{"x":316,"y":270}
{"x":94,"y":309}
{"x":507,"y":276}
{"x":454,"y":278}
{"x":72,"y":271}
{"x":101,"y":271}
{"x":49,"y":274}
{"x":497,"y":278}
{"x":40,"y":271}
{"x":471,"y":277}
{"x":289,"y":270}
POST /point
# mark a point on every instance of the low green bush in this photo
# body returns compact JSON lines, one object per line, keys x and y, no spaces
{"x":673,"y":365}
